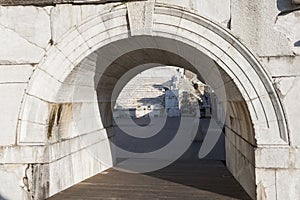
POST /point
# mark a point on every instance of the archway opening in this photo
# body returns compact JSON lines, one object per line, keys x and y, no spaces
{"x":115,"y":64}
{"x":70,"y":122}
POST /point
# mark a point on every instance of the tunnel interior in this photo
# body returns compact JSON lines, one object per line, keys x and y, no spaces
{"x":93,"y":87}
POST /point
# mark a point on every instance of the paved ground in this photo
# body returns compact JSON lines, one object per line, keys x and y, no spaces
{"x":182,"y":180}
{"x":188,"y":178}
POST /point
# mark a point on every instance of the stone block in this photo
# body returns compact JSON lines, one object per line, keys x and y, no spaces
{"x":254,"y":23}
{"x":289,"y":26}
{"x":16,"y":49}
{"x":56,"y":64}
{"x":241,"y":168}
{"x":35,"y":110}
{"x":45,"y":81}
{"x":15,"y":73}
{"x":140,"y":16}
{"x":266,"y":184}
{"x":75,"y":15}
{"x":73,"y":46}
{"x":11,"y":97}
{"x":13,"y":182}
{"x":288,"y":184}
{"x":23,"y":154}
{"x":218,"y":11}
{"x":282,"y":65}
{"x":87,"y":118}
{"x":280,"y":158}
{"x":29,"y":22}
{"x":239,"y":143}
{"x":59,"y":24}
{"x":288,"y":89}
{"x":32,"y":133}
{"x":69,"y":170}
{"x":272,"y":158}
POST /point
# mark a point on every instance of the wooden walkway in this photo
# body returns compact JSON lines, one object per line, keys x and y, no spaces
{"x":182,"y":180}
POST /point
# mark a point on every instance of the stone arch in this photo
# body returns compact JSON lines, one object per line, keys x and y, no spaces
{"x":48,"y":95}
{"x":208,"y":37}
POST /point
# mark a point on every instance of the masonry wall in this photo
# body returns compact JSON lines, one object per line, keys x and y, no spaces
{"x":269,"y":28}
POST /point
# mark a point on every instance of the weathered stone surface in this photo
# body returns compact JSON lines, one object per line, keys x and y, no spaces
{"x":13,"y":79}
{"x":288,"y":89}
{"x":266,"y":184}
{"x":74,"y":14}
{"x":53,"y":2}
{"x":16,"y":49}
{"x":31,"y":23}
{"x":240,"y":167}
{"x":277,"y":158}
{"x":289,"y":26}
{"x":15,"y":73}
{"x":13,"y":179}
{"x":176,"y":28}
{"x":218,"y":10}
{"x":254,"y":23}
{"x":59,"y":24}
{"x":287,"y":182}
{"x":11,"y":97}
{"x":140,"y":15}
{"x":79,"y":165}
{"x":282,"y":66}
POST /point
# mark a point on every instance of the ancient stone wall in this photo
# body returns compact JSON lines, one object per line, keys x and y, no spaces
{"x":41,"y":45}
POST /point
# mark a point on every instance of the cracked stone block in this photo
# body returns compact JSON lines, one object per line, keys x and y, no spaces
{"x":288,"y":89}
{"x":12,"y":182}
{"x":31,"y":23}
{"x":66,"y":16}
{"x":140,"y":15}
{"x":16,"y":49}
{"x":254,"y":23}
{"x":217,"y":10}
{"x":289,"y":26}
{"x":266,"y":184}
{"x":63,"y":17}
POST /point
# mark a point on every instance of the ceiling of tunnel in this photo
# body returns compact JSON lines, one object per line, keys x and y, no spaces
{"x":136,"y":54}
{"x":114,"y":59}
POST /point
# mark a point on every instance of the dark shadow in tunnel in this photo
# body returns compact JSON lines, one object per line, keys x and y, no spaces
{"x":208,"y":174}
{"x":218,"y":151}
{"x":146,"y":145}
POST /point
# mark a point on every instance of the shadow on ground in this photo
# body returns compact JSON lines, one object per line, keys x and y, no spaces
{"x":187,"y":178}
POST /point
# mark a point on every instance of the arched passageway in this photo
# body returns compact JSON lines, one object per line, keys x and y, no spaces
{"x":83,"y":74}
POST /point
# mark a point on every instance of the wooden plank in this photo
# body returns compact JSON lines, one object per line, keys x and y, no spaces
{"x":181,"y":180}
